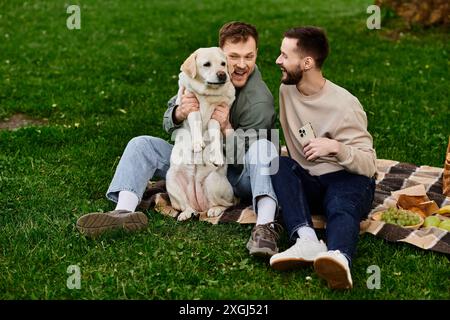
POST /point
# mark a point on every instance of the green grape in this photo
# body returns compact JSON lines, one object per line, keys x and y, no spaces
{"x":400,"y":217}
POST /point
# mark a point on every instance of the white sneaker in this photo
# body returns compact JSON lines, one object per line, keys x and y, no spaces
{"x":333,"y":267}
{"x":304,"y":251}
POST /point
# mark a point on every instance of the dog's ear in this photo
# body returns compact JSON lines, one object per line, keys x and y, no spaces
{"x":189,"y":66}
{"x":230,"y":69}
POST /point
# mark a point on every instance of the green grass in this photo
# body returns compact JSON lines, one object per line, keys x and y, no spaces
{"x":126,"y":58}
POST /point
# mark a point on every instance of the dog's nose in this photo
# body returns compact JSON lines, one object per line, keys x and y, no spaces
{"x":222,"y":76}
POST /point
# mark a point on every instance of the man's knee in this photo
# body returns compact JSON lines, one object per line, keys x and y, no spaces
{"x":346,"y":208}
{"x":285,"y":164}
{"x":283,"y":171}
{"x":261,"y":151}
{"x":146,"y":143}
{"x":138,"y":142}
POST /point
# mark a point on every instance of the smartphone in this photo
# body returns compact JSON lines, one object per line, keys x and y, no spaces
{"x":306,"y":134}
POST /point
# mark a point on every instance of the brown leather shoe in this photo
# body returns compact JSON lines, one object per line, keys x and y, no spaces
{"x":264,"y":238}
{"x":149,"y":196}
{"x":94,"y":224}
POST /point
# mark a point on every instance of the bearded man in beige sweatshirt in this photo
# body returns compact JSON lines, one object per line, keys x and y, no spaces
{"x":332,"y":172}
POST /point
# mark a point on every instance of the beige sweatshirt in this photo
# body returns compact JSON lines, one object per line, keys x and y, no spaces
{"x":334,"y":113}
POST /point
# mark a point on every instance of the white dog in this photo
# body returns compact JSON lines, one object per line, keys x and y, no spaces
{"x":197,"y":177}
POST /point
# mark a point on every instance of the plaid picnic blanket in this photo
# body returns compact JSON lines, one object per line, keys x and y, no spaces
{"x":392,"y":176}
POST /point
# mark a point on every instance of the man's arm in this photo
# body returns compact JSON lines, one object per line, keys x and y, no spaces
{"x":169,"y":123}
{"x":355,"y":152}
{"x":176,"y":114}
{"x":351,"y":146}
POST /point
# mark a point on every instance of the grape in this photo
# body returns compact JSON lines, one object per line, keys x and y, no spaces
{"x":400,"y":217}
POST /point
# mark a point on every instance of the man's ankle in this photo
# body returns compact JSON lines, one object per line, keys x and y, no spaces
{"x":307,"y":232}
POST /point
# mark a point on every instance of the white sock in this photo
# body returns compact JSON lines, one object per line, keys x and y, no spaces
{"x":307,"y":233}
{"x":127,"y":201}
{"x":266,"y":208}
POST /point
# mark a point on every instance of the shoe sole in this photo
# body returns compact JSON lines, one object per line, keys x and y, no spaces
{"x":94,"y":224}
{"x":333,"y":272}
{"x":259,"y":252}
{"x":289,"y":264}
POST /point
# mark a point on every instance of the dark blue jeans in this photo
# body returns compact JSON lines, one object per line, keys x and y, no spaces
{"x":344,"y":198}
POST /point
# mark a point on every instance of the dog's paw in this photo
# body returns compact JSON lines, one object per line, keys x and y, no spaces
{"x":215,"y":211}
{"x":217,"y":160}
{"x":185,"y":215}
{"x":197,"y":146}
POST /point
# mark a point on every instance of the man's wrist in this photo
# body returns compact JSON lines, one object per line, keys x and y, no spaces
{"x":343,"y":152}
{"x":336,"y":148}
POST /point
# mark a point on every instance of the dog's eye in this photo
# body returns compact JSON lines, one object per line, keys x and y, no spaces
{"x":207,"y":64}
{"x":223,"y":63}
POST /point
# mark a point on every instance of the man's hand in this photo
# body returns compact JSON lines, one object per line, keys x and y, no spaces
{"x":320,"y":147}
{"x":221,"y":114}
{"x":188,"y":104}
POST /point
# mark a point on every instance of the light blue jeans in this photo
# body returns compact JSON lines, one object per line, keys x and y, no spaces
{"x":146,"y":157}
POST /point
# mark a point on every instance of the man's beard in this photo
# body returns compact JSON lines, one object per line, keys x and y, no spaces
{"x":293,"y":77}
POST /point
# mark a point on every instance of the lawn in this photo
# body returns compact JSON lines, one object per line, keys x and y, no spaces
{"x":110,"y":81}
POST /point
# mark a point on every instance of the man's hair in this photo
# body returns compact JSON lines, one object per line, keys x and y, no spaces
{"x":236,"y":31}
{"x":311,"y":41}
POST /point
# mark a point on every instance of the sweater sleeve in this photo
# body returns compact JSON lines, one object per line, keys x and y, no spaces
{"x":356,"y":153}
{"x":168,"y":123}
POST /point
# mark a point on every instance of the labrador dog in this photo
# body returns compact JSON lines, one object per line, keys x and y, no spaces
{"x":197,"y":177}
